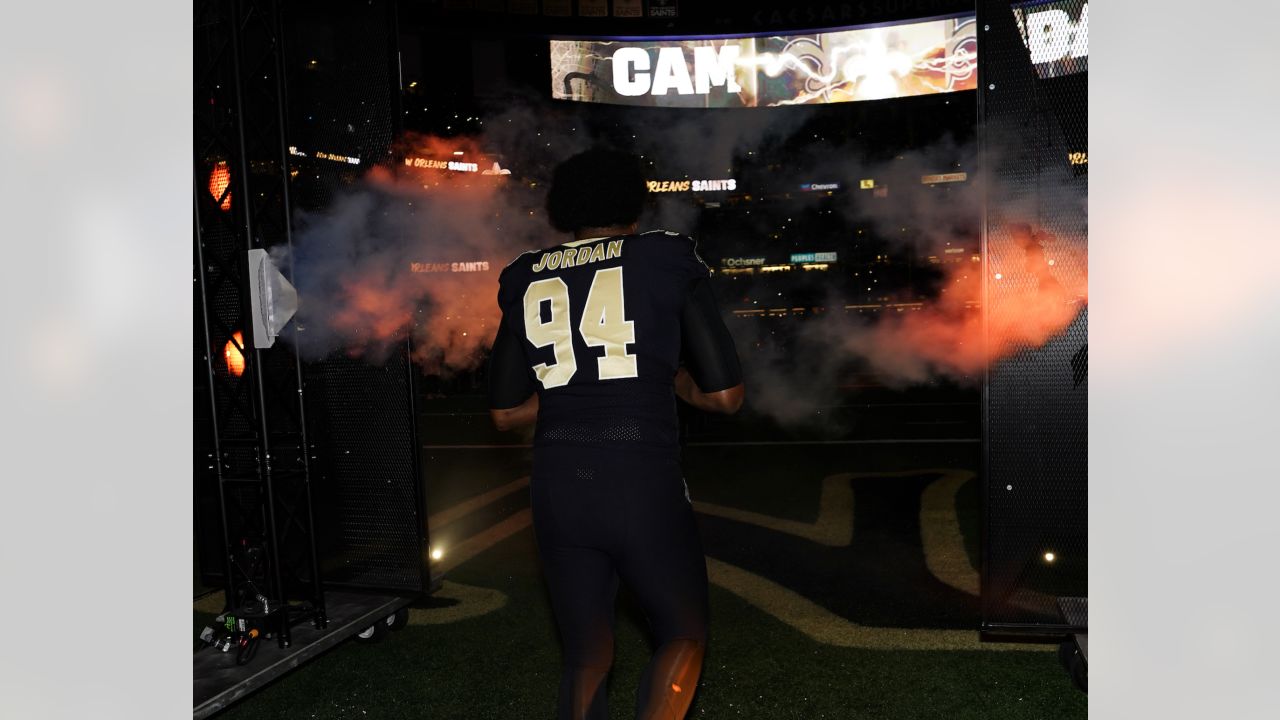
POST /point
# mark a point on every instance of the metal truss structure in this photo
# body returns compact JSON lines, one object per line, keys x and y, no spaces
{"x":253,"y":430}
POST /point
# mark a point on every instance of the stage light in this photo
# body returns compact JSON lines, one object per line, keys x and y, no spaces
{"x":234,"y":357}
{"x":436,"y":553}
{"x":1049,"y":557}
{"x":219,"y":179}
{"x":273,"y":300}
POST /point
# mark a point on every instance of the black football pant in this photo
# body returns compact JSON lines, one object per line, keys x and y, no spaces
{"x":601,"y":516}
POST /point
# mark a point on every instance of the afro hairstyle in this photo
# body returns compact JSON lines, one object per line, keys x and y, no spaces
{"x":600,"y":187}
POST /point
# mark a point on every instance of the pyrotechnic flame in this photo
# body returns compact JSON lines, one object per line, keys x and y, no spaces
{"x":219,"y":181}
{"x":232,"y":354}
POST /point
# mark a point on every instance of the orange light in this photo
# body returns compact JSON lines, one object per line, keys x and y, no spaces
{"x":235,"y":358}
{"x":219,"y":180}
{"x":675,"y":687}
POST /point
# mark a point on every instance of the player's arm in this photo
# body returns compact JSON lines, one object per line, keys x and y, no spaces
{"x":712,"y":380}
{"x":723,"y":401}
{"x":513,"y":403}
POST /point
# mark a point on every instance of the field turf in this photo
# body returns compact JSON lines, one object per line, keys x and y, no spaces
{"x":821,"y":608}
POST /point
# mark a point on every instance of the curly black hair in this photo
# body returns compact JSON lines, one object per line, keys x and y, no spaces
{"x":600,"y":187}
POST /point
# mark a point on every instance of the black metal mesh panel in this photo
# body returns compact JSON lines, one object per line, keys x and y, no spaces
{"x":367,"y":485}
{"x":343,"y":91}
{"x":343,"y":94}
{"x":1034,"y":119}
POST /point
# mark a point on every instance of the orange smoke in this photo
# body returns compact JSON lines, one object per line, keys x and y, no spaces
{"x":419,"y":145}
{"x":1038,"y":286}
{"x":462,"y":323}
{"x":372,"y":313}
{"x":452,"y":317}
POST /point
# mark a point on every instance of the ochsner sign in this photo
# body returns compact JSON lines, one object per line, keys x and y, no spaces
{"x":911,"y":58}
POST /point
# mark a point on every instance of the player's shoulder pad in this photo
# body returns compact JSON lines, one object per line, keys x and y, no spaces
{"x":517,"y":270}
{"x":667,"y":233}
{"x":676,"y":237}
{"x":669,"y":236}
{"x":526,"y":253}
{"x":522,"y":262}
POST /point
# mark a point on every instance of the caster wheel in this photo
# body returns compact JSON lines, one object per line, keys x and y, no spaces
{"x":398,"y":620}
{"x":373,"y":633}
{"x":1080,"y":674}
{"x":1073,"y":662}
{"x":1066,"y":651}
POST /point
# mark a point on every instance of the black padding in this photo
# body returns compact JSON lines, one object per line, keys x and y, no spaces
{"x":707,"y":345}
{"x":510,"y":383}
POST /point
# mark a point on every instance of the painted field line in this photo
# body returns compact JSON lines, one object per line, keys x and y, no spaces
{"x":748,"y":443}
{"x":883,"y":441}
{"x":466,"y":507}
{"x":833,"y":527}
{"x":821,"y":625}
{"x":472,"y":602}
{"x":473,"y":447}
{"x":484,"y":540}
{"x":940,"y":534}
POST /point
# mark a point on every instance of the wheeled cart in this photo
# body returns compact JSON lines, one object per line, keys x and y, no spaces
{"x":219,"y":681}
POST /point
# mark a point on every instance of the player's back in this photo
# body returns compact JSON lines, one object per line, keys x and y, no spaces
{"x":600,"y":320}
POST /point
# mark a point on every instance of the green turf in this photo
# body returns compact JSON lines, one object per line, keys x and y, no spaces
{"x":506,"y":664}
{"x":455,"y":475}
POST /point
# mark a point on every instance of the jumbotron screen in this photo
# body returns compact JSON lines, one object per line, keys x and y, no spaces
{"x":1056,"y":33}
{"x":868,"y":63}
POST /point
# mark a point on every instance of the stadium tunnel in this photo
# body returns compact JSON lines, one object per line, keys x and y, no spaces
{"x":891,"y":198}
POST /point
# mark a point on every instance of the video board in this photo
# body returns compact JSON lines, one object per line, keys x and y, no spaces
{"x":845,"y":65}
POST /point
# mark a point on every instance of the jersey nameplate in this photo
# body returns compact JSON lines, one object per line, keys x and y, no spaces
{"x":572,"y":257}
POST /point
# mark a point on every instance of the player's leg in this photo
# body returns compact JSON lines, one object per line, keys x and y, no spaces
{"x":583,"y":587}
{"x":664,"y":566}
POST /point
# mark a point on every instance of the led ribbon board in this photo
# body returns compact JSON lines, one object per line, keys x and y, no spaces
{"x":813,"y":257}
{"x":869,"y":63}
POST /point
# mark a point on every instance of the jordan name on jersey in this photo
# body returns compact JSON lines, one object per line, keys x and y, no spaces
{"x":574,"y":256}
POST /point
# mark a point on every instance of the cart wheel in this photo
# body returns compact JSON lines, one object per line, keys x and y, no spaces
{"x":1066,"y":651}
{"x":1080,"y":674}
{"x":1071,"y":659}
{"x":373,"y":633}
{"x":398,"y":620}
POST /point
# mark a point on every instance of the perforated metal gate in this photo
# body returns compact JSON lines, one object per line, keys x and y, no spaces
{"x":344,"y":100}
{"x":340,"y":94}
{"x":1033,"y":112}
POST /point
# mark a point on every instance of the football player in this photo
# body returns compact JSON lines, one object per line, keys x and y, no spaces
{"x":590,"y":348}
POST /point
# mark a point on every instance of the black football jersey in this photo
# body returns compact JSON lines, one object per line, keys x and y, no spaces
{"x":598,"y":325}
